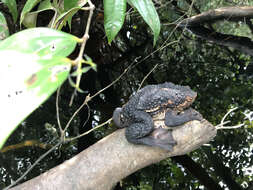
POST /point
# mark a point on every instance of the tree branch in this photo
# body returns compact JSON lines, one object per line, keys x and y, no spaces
{"x":111,"y":159}
{"x":228,"y":13}
{"x":196,"y":25}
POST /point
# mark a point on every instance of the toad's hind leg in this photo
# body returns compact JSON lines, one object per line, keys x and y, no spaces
{"x":142,"y":132}
{"x":173,"y":118}
{"x":161,"y":138}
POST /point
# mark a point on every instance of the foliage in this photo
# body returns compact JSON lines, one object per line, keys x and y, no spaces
{"x":43,"y":52}
{"x":115,"y":11}
{"x":114,"y":17}
{"x":149,"y":14}
{"x":4,"y":31}
{"x":63,"y":12}
{"x":35,"y":63}
{"x":12,"y":6}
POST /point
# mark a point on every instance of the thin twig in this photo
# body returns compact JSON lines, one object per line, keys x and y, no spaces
{"x":79,"y":60}
{"x":229,"y":111}
{"x":231,"y":127}
{"x":86,"y":34}
{"x":88,"y":117}
{"x":57,"y":110}
{"x":116,"y":80}
{"x":33,"y":165}
{"x":76,"y":112}
{"x":223,"y":122}
{"x":147,"y":76}
{"x":72,"y":98}
{"x":89,"y":98}
{"x":87,"y":132}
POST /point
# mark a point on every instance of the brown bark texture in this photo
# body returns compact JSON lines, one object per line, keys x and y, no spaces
{"x":111,"y":159}
{"x":228,"y":13}
{"x":197,"y":25}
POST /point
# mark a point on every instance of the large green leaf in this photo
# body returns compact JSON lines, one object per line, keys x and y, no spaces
{"x":12,"y":6}
{"x":114,"y":16}
{"x":4,"y":30}
{"x":148,"y":12}
{"x":33,"y":65}
{"x":42,"y":41}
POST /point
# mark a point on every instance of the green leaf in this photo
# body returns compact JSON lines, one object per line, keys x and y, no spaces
{"x":89,"y":61}
{"x":27,"y":8}
{"x":83,"y":70}
{"x":4,"y":30}
{"x":30,"y":18}
{"x":73,"y":84}
{"x":70,"y":4}
{"x":114,"y":16}
{"x":66,"y":16}
{"x":33,"y":65}
{"x":42,"y":41}
{"x":148,"y":12}
{"x":70,"y":8}
{"x":12,"y":6}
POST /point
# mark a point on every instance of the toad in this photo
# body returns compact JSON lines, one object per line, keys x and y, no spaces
{"x":148,"y":103}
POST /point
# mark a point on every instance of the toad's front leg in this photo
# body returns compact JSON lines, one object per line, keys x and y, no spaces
{"x":175,"y":118}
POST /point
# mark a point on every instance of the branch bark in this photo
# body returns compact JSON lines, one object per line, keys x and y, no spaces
{"x":111,"y":159}
{"x":196,"y":25}
{"x":228,"y":13}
